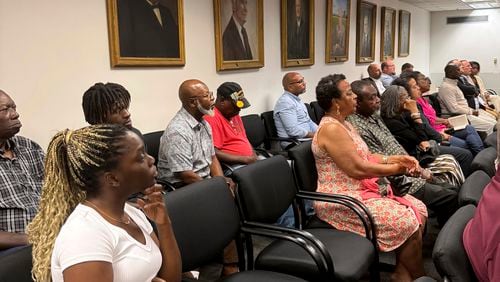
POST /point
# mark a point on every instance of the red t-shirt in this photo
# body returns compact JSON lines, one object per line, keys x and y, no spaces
{"x":229,"y":136}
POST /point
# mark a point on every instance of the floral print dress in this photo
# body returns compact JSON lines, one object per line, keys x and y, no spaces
{"x":395,"y":222}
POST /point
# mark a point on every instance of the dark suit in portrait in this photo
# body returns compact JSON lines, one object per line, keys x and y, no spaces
{"x":298,"y":40}
{"x":233,"y":48}
{"x":142,"y":35}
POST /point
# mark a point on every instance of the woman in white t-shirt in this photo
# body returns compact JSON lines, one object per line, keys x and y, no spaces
{"x":89,"y":175}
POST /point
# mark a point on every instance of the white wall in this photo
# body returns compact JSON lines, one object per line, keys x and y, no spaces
{"x":472,"y":41}
{"x":52,"y":51}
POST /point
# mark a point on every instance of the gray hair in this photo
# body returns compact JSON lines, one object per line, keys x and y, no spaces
{"x":389,"y":102}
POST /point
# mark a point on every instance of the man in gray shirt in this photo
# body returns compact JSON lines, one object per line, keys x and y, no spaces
{"x":186,"y":153}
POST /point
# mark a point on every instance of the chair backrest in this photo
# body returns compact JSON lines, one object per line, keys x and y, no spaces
{"x":16,"y":266}
{"x":311,"y":113}
{"x":265,"y":189}
{"x":449,"y":254}
{"x":152,"y":141}
{"x":318,"y":111}
{"x":434,"y":101}
{"x":204,"y":218}
{"x":268,"y":119}
{"x":254,"y":128}
{"x":304,"y":166}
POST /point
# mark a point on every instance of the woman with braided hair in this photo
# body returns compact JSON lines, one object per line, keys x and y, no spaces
{"x":85,"y":230}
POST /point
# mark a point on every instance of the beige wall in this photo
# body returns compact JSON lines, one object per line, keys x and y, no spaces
{"x":52,"y":51}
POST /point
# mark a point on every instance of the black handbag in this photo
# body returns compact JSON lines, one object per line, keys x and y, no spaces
{"x":428,"y":156}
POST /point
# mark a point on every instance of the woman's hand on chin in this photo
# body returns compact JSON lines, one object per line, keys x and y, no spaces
{"x":152,"y":204}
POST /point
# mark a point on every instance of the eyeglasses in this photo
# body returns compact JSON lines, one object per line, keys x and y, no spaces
{"x":210,"y":95}
{"x":298,"y":81}
{"x":8,"y":109}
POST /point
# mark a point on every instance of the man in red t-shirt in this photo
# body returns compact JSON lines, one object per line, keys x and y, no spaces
{"x":230,"y":140}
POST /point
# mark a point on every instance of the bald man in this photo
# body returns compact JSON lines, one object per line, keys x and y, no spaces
{"x":290,"y":114}
{"x":374,"y":73}
{"x":186,"y":153}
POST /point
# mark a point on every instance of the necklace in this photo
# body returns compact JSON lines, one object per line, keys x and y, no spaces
{"x":126,"y":222}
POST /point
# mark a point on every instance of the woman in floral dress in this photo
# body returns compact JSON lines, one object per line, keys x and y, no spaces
{"x":345,"y":166}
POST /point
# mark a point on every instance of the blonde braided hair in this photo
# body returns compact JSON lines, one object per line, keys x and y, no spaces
{"x":74,"y":161}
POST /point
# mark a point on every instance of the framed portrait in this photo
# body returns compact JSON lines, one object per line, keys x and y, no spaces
{"x":337,"y":30}
{"x":239,"y":38}
{"x":146,"y":33}
{"x":404,"y":33}
{"x":387,"y":33}
{"x":365,"y":32}
{"x":297,"y":33}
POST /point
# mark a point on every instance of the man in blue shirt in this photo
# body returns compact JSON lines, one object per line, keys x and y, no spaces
{"x":290,"y":114}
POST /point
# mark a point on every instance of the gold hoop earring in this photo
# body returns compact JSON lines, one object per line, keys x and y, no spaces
{"x":338,"y":110}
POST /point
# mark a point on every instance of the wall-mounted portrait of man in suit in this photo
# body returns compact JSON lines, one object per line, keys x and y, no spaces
{"x":146,"y":32}
{"x":238,"y":33}
{"x":297,"y":32}
{"x":365,"y":44}
{"x":404,"y":33}
{"x":387,"y":33}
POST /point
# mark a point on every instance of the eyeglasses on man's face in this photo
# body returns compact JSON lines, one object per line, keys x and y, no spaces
{"x":298,"y":81}
{"x":209,"y":94}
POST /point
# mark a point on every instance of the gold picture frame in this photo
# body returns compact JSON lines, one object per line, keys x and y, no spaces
{"x":297,"y":33}
{"x":365,"y":31}
{"x":232,"y":50}
{"x":144,"y":35}
{"x":404,"y":33}
{"x":387,"y":33}
{"x":338,"y":18}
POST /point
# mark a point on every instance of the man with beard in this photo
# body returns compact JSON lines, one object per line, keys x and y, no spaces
{"x":186,"y":153}
{"x":21,"y":174}
{"x":290,"y":114}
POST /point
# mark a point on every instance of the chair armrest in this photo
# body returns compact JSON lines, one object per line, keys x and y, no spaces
{"x":354,"y":204}
{"x":315,"y":248}
{"x":286,"y":139}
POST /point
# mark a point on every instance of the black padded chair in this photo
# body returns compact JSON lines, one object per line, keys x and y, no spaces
{"x":491,"y":140}
{"x":272,"y":139}
{"x":16,"y":266}
{"x":318,"y":111}
{"x":256,"y":133}
{"x":265,"y":191}
{"x":449,"y":255}
{"x":473,"y":187}
{"x":205,"y":219}
{"x":485,"y":161}
{"x":152,"y":141}
{"x":311,"y":113}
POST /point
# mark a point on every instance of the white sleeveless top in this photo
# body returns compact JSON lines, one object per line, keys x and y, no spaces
{"x":87,"y":236}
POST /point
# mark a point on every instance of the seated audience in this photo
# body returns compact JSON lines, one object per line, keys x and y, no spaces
{"x":187,"y":153}
{"x":230,"y":140}
{"x":21,"y":171}
{"x":466,"y":138}
{"x":403,"y":118}
{"x":492,"y":100}
{"x":471,"y":92}
{"x":290,"y":114}
{"x":452,"y":101}
{"x":108,"y":103}
{"x":438,"y":197}
{"x":347,"y":167}
{"x":388,"y":73}
{"x":374,"y":73}
{"x":482,"y":234}
{"x":85,"y":230}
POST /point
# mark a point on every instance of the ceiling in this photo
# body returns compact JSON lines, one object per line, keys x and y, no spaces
{"x":450,"y":5}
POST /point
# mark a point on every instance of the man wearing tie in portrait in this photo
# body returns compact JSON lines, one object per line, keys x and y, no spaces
{"x":147,"y":29}
{"x":235,"y":44}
